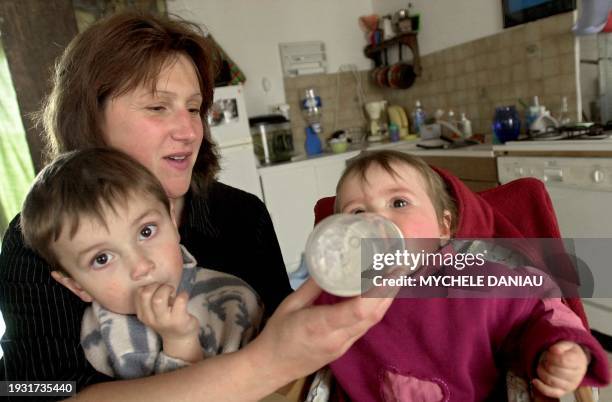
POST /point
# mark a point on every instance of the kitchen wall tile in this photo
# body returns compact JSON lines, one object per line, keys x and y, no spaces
{"x":519,"y":72}
{"x":551,"y":67}
{"x":533,"y":31}
{"x":471,"y":80}
{"x":533,"y":59}
{"x":551,"y":85}
{"x":504,"y":75}
{"x":550,"y":47}
{"x":567,"y":42}
{"x":568,"y":65}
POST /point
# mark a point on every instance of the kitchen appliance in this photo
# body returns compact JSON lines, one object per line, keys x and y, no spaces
{"x":579,"y":132}
{"x":581,"y":192}
{"x":229,"y":128}
{"x":376,"y":125}
{"x":272,"y":138}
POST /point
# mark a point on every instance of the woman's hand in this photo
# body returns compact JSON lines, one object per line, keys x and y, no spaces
{"x":300,"y":338}
{"x":561,"y":369}
{"x":167,"y":315}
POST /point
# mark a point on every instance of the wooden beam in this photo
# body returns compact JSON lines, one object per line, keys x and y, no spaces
{"x":34,"y":34}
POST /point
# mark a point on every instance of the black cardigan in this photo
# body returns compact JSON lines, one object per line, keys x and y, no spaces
{"x":228,"y":230}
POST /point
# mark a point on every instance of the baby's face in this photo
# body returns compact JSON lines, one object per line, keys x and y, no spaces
{"x":139,"y":246}
{"x":403,"y":199}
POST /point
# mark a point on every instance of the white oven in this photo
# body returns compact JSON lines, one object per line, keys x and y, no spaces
{"x":581,"y":192}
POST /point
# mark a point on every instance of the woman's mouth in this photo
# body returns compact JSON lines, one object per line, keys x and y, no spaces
{"x":178,"y":161}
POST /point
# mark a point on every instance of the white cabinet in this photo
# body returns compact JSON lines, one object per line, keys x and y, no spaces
{"x":291,"y":191}
{"x":238,"y":168}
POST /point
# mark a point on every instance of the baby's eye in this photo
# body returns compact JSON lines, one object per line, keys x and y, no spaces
{"x":101,"y":260}
{"x":399,"y":203}
{"x":148,"y":231}
{"x":357,"y":211}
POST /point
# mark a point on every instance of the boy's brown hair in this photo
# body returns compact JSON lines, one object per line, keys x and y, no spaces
{"x":81,"y":183}
{"x":112,"y":57}
{"x":435,"y":187}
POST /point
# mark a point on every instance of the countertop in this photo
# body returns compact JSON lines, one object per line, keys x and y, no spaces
{"x":408,"y":146}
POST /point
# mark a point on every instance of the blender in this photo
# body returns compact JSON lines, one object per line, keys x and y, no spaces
{"x":376,"y":125}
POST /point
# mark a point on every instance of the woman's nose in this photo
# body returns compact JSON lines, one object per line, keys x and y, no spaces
{"x":141,"y":266}
{"x":185,"y":127}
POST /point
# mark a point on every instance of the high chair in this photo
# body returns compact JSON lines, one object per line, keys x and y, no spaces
{"x":519,"y":209}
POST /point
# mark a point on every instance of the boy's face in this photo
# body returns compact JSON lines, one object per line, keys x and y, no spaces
{"x":403,"y":199}
{"x":139,"y":246}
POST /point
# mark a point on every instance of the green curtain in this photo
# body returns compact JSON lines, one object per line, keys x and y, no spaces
{"x":16,"y":168}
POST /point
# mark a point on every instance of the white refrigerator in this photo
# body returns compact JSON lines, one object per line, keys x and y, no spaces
{"x":229,"y":127}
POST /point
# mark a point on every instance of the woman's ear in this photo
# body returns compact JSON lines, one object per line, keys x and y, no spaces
{"x":71,"y":284}
{"x":445,"y":225}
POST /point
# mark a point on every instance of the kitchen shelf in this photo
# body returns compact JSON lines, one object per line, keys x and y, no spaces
{"x":377,"y":52}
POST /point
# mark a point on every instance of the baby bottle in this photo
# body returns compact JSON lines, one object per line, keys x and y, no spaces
{"x":340,"y":250}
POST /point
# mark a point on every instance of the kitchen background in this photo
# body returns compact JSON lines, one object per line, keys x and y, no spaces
{"x":470,"y":64}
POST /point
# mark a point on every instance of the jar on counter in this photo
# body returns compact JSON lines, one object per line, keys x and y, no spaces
{"x":272,"y":138}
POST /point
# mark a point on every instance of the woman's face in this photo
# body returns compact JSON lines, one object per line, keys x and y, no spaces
{"x":161,"y":130}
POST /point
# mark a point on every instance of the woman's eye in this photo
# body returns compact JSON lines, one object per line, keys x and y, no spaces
{"x":399,"y":203}
{"x":100,"y":260}
{"x":194,"y":111}
{"x":148,"y":231}
{"x":157,"y":108}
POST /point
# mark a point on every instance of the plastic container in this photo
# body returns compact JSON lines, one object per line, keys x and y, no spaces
{"x":466,"y":126}
{"x":312,"y":145}
{"x":311,"y":111}
{"x":338,"y":145}
{"x":334,"y":250}
{"x":418,"y":117}
{"x":394,"y":132}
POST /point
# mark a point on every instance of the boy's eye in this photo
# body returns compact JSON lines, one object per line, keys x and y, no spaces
{"x":148,"y":231}
{"x":100,"y":260}
{"x":399,"y":203}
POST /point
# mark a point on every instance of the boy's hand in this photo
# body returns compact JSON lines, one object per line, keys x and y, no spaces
{"x":167,"y":315}
{"x":561,"y":369}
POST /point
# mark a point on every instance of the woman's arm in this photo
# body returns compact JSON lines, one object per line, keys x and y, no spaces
{"x":298,"y":339}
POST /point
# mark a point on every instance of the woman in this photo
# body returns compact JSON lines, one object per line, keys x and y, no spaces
{"x":143,"y":85}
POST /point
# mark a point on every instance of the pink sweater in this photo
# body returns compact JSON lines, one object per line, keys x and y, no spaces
{"x":458,"y":349}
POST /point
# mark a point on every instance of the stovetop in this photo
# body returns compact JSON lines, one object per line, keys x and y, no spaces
{"x":583,"y":138}
{"x":578,"y":132}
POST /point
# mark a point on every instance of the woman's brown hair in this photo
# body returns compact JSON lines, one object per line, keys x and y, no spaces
{"x":116,"y":55}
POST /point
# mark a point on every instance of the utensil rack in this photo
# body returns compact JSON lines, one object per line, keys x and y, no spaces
{"x":378,"y":52}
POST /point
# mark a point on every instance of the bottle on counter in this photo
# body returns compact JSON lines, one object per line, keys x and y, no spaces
{"x":311,"y":111}
{"x":564,"y":118}
{"x":465,"y":125}
{"x":418,"y":117}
